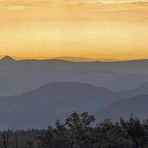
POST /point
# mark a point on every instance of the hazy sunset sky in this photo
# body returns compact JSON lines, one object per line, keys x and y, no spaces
{"x":98,"y":29}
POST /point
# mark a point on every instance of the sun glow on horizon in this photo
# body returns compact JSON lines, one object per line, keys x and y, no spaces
{"x":96,"y":29}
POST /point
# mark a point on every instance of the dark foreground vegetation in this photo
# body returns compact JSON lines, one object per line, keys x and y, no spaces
{"x":80,"y":131}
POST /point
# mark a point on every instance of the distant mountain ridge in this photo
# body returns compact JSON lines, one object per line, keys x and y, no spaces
{"x":138,"y":106}
{"x":53,"y":101}
{"x":18,"y":76}
{"x":134,"y":101}
{"x":73,"y":59}
{"x":46,"y":104}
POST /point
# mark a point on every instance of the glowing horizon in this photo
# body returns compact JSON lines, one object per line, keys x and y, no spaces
{"x":94,"y":29}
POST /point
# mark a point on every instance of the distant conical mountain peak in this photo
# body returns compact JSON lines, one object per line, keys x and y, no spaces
{"x":7,"y":59}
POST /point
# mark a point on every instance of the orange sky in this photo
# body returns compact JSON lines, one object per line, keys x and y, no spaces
{"x":98,"y":29}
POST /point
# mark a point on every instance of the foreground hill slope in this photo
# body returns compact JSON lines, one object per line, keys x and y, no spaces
{"x":138,"y":106}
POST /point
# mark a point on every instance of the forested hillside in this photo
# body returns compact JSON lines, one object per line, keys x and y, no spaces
{"x":81,"y":131}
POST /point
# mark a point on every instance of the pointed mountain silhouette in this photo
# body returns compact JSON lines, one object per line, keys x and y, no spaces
{"x":7,"y":59}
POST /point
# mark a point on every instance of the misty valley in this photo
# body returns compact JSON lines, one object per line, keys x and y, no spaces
{"x":35,"y":93}
{"x":79,"y":102}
